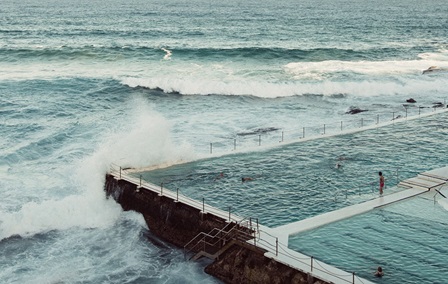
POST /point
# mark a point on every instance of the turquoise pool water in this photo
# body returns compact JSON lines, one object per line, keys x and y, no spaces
{"x":296,"y":181}
{"x":407,"y":239}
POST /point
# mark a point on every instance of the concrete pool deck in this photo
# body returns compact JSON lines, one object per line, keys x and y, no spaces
{"x":275,"y":240}
{"x":424,"y":182}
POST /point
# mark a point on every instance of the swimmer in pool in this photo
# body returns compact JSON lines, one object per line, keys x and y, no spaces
{"x":379,"y":272}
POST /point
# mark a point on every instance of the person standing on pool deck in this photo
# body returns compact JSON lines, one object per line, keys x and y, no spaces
{"x":381,"y":182}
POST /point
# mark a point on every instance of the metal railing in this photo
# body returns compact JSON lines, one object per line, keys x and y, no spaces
{"x":439,"y":192}
{"x":282,"y":251}
{"x":274,"y":247}
{"x":273,"y":136}
{"x":120,"y":173}
{"x":242,"y":229}
{"x":217,"y":238}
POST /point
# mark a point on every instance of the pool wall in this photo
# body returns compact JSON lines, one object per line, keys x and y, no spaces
{"x":178,"y":223}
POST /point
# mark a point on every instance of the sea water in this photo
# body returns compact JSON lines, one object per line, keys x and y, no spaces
{"x":84,"y":84}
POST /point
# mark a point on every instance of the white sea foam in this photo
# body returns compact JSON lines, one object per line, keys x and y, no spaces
{"x":440,"y":56}
{"x":366,"y":88}
{"x":367,"y":78}
{"x":374,"y":78}
{"x":145,"y":142}
{"x":83,"y":211}
{"x":144,"y":139}
{"x":168,"y":54}
{"x":324,"y":69}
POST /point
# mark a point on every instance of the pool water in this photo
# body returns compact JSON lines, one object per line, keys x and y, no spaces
{"x":408,"y":240}
{"x":299,"y":180}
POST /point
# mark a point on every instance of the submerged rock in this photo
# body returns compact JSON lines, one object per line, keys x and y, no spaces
{"x":437,"y":104}
{"x":258,"y":131}
{"x":355,"y":110}
{"x":434,"y":69}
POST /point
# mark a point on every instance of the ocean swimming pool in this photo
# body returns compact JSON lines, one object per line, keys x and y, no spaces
{"x":407,"y":239}
{"x":299,"y":180}
{"x":85,"y":84}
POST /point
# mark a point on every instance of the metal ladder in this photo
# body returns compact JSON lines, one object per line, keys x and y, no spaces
{"x":217,"y":241}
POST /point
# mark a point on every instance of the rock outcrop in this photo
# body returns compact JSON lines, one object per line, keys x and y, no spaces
{"x":355,"y":110}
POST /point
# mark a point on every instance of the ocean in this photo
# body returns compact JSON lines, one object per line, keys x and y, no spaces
{"x":86,"y":84}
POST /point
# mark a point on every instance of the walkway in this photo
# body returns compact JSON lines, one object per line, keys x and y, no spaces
{"x":431,"y":180}
{"x":275,"y":240}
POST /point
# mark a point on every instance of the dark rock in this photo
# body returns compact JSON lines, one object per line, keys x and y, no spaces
{"x":258,"y":131}
{"x":437,"y":105}
{"x":433,"y":69}
{"x":355,"y":110}
{"x":411,"y":100}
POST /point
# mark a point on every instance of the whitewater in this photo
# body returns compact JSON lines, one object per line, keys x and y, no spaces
{"x":87,"y":84}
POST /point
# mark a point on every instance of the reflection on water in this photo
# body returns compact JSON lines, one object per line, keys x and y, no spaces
{"x":407,"y":239}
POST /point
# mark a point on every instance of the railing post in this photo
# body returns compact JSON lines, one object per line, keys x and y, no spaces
{"x":406,"y":112}
{"x":324,"y":129}
{"x":419,"y":108}
{"x":353,"y":278}
{"x":259,"y":140}
{"x":282,"y":136}
{"x":203,"y":205}
{"x":177,"y":194}
{"x":250,"y":222}
{"x":377,"y":119}
{"x":230,"y":208}
{"x":120,"y":172}
{"x":234,"y":144}
{"x":362,"y":122}
{"x":140,"y":180}
{"x":276,"y":246}
{"x":341,"y":125}
{"x":161,"y":188}
{"x":312,"y":263}
{"x":211,"y":148}
{"x":393,"y":115}
{"x":304,"y":132}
